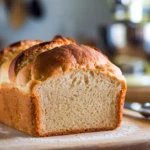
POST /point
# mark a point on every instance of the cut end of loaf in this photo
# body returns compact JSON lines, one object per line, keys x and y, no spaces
{"x":78,"y":101}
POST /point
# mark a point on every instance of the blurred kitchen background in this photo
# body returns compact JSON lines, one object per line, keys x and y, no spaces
{"x":120,"y":28}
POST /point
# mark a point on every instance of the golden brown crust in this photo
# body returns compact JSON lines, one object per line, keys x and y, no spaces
{"x":16,"y":47}
{"x":121,"y":101}
{"x":65,"y":58}
{"x":60,"y":38}
{"x":17,"y":109}
{"x":30,"y":54}
{"x":9,"y":53}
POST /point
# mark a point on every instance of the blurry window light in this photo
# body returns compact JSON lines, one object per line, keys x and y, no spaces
{"x":125,"y":2}
{"x":118,"y":35}
{"x":146,"y":32}
{"x":136,"y":106}
{"x":136,"y":11}
{"x":120,"y":15}
{"x":146,"y":37}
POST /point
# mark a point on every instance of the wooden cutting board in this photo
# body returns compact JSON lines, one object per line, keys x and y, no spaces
{"x":134,"y":133}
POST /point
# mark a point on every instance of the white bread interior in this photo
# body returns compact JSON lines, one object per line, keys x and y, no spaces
{"x":78,"y":100}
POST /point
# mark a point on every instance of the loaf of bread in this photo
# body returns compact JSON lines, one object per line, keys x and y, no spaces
{"x":59,"y":87}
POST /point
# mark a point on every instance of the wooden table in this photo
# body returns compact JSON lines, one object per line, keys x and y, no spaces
{"x":134,"y":134}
